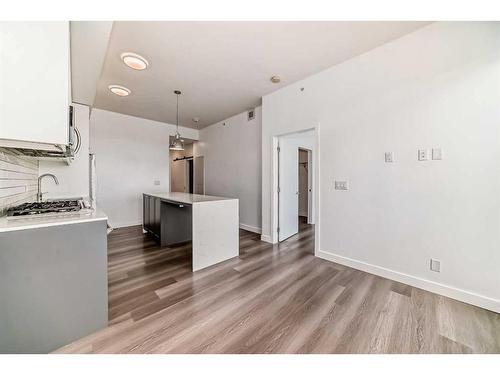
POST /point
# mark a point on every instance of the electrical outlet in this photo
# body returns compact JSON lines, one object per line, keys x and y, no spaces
{"x":389,"y":157}
{"x":157,"y":182}
{"x":341,"y":185}
{"x":435,"y":265}
{"x":423,"y":155}
{"x":437,"y":154}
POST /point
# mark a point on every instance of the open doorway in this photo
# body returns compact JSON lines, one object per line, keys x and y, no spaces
{"x":305,"y":185}
{"x":187,"y":170}
{"x":295,"y":183}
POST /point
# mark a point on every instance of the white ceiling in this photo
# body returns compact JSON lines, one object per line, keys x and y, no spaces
{"x":89,"y":44}
{"x":223,"y":68}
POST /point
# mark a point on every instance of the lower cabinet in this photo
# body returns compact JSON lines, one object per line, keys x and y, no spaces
{"x":145,"y":212}
{"x":151,"y":212}
{"x":53,"y":286}
{"x":157,"y":217}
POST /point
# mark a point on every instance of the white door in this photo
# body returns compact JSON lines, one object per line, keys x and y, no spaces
{"x":288,"y":189}
{"x":199,"y":175}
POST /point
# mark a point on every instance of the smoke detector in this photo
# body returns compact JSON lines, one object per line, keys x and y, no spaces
{"x":275,"y":79}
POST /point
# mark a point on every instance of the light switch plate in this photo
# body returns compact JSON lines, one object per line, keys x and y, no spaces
{"x":341,"y":185}
{"x":389,"y":157}
{"x":423,"y":155}
{"x":437,"y":154}
{"x":435,"y":265}
{"x":157,"y":182}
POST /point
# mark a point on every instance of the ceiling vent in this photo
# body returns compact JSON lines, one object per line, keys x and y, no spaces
{"x":251,"y":114}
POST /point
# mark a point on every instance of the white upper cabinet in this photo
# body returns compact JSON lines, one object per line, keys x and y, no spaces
{"x":34,"y":82}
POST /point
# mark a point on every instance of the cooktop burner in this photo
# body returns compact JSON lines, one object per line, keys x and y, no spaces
{"x":34,"y":208}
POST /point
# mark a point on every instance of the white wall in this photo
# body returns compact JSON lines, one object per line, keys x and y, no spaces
{"x":233,"y":164}
{"x":74,"y":178}
{"x":436,"y":87}
{"x":131,"y":153}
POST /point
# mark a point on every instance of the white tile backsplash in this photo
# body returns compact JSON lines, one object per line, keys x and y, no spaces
{"x":18,"y":179}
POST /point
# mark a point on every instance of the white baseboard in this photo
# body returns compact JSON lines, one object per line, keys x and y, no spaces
{"x":266,"y":238}
{"x":431,"y":286}
{"x":123,"y":225}
{"x":251,"y":228}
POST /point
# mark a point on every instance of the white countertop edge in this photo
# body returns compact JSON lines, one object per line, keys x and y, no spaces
{"x":188,"y":198}
{"x":37,"y":222}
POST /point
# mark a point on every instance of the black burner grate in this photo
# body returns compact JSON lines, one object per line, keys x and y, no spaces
{"x":34,"y":208}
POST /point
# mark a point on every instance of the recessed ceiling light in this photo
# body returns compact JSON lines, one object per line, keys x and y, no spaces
{"x":275,"y":79}
{"x":134,"y":61}
{"x":119,"y":90}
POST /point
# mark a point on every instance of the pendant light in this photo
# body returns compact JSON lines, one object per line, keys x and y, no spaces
{"x":178,"y":143}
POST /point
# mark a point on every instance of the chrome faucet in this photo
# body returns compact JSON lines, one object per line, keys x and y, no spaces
{"x":39,"y":194}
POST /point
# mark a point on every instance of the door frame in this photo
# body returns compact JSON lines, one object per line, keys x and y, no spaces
{"x":315,"y":179}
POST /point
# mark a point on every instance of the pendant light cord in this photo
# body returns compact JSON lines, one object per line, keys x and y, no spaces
{"x":177,"y":113}
{"x":177,"y":142}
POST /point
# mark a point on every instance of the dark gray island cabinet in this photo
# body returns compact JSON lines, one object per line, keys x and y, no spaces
{"x":152,"y":215}
{"x":169,"y":221}
{"x":53,"y":282}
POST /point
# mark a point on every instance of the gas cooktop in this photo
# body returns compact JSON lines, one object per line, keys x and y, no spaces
{"x":36,"y":208}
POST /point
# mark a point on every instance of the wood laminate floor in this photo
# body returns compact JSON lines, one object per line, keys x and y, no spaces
{"x":272,"y":299}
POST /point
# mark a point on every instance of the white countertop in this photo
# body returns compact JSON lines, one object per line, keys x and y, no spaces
{"x":50,"y":220}
{"x":187,"y":198}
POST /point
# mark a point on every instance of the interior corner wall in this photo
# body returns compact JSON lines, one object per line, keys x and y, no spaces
{"x":438,"y":87}
{"x":131,"y":154}
{"x":233,"y":164}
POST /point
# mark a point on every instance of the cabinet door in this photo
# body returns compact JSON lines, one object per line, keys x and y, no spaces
{"x":157,"y":216}
{"x":34,"y":81}
{"x":145,"y":212}
{"x":152,"y":214}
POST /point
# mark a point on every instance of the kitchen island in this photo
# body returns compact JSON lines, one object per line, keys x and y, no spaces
{"x":211,"y":223}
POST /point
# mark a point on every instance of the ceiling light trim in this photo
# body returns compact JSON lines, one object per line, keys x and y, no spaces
{"x":120,"y":90}
{"x":134,"y":61}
